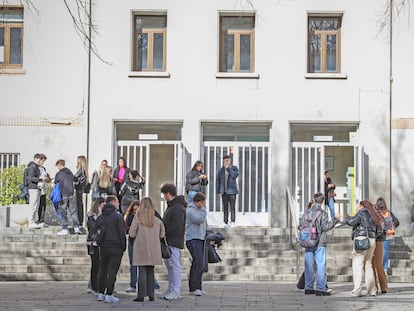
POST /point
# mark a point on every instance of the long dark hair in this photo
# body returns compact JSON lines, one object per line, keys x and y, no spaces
{"x":375,"y":216}
{"x":197,"y":163}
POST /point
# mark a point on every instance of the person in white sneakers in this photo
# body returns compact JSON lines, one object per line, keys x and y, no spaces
{"x":65,"y":179}
{"x":174,"y":222}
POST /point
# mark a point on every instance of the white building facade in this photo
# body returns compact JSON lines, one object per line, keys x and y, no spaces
{"x":288,"y":88}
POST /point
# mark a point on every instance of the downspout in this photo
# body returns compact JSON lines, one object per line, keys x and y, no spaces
{"x":390,"y":104}
{"x":89,"y":80}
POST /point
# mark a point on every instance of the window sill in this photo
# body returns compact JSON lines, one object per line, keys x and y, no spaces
{"x":326,"y":76}
{"x":12,"y":71}
{"x":237,"y":75}
{"x":148,"y":74}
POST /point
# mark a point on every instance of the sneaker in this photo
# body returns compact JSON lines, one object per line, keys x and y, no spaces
{"x":63,"y":232}
{"x":77,"y":230}
{"x":34,"y":226}
{"x":355,"y":295}
{"x":173,"y":295}
{"x":111,"y":298}
{"x":89,"y":290}
{"x":101,"y":297}
{"x":226,"y":225}
{"x":130,"y":289}
{"x":232,"y":225}
{"x":162,"y":295}
{"x":197,"y":292}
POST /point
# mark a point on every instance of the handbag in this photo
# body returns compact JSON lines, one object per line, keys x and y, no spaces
{"x":166,"y":251}
{"x":212,"y":255}
{"x":362,"y":244}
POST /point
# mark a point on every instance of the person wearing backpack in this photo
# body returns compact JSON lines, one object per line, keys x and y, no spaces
{"x":390,"y":223}
{"x":315,"y":252}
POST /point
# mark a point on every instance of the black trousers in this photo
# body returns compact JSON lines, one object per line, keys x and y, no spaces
{"x":110,"y":260}
{"x":42,"y":208}
{"x":79,"y":205}
{"x":196,"y":249}
{"x":229,"y":201}
{"x":146,"y":281}
{"x":94,"y":267}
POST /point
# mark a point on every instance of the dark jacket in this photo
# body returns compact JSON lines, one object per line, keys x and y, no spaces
{"x":194,"y":183}
{"x":231,"y":182}
{"x":112,"y":220}
{"x":80,"y":179}
{"x":65,"y":178}
{"x":33,"y":174}
{"x":129,"y":191}
{"x":322,"y":223}
{"x":174,"y":221}
{"x":362,"y":222}
{"x":91,"y":225}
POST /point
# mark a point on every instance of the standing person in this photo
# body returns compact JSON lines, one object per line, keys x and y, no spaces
{"x":226,"y":186}
{"x":121,"y":174}
{"x":93,"y":249}
{"x":329,"y":194}
{"x":196,"y":180}
{"x":96,"y":177}
{"x":317,"y":254}
{"x":33,"y":178}
{"x":81,"y":179}
{"x":43,"y":185}
{"x":112,"y":248}
{"x":380,"y":276}
{"x":390,"y":223}
{"x":106,"y":184}
{"x":130,"y":188}
{"x":174,"y":222}
{"x":147,"y":229}
{"x":365,"y":223}
{"x":65,"y":177}
{"x":128,"y":217}
{"x":195,"y":234}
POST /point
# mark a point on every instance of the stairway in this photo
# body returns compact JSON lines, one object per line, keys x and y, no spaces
{"x":255,"y":254}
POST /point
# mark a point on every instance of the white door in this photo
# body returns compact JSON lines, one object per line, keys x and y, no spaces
{"x":253,"y":201}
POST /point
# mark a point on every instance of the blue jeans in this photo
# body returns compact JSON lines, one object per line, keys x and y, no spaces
{"x":315,"y":255}
{"x":190,"y":196}
{"x":133,"y":278}
{"x":195,"y":247}
{"x":331,"y":205}
{"x":387,"y":245}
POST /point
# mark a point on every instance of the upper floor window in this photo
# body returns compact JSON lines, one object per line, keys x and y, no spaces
{"x":150,"y":33}
{"x":11,"y":37}
{"x":237,"y":43}
{"x":324,"y":39}
{"x":9,"y":159}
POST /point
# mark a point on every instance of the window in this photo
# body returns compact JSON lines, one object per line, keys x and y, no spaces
{"x":11,"y":37}
{"x":324,"y":50}
{"x":150,"y":33}
{"x":237,"y":43}
{"x":9,"y":160}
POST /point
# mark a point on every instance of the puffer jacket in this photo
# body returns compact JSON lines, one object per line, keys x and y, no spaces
{"x":174,"y":221}
{"x":322,"y":223}
{"x":362,"y":222}
{"x":194,"y":183}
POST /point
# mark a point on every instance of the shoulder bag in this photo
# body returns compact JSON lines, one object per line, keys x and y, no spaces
{"x":362,"y":244}
{"x":166,"y":251}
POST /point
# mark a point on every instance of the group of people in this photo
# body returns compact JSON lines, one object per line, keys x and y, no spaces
{"x":182,"y":224}
{"x":374,"y":222}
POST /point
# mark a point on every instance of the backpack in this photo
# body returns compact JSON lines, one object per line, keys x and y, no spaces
{"x":26,"y":177}
{"x":56,"y":195}
{"x":388,"y":224}
{"x":308,"y":235}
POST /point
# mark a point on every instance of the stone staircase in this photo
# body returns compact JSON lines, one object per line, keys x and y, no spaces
{"x":256,"y":254}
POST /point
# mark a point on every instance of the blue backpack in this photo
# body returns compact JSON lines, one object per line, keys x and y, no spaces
{"x":56,"y":195}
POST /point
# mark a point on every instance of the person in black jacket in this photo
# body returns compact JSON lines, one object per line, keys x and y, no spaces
{"x":365,"y":223}
{"x":129,"y":190}
{"x":112,"y":247}
{"x":174,"y":222}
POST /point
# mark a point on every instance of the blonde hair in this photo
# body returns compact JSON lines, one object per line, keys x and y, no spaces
{"x":106,"y":177}
{"x":82,"y":164}
{"x":146,"y":212}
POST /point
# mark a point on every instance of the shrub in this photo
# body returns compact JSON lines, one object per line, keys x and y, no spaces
{"x":10,"y":179}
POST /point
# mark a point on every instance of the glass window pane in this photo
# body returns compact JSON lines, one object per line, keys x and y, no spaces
{"x":142,"y":60}
{"x":11,"y":15}
{"x":158,"y":22}
{"x":315,"y":54}
{"x":1,"y":45}
{"x":331,"y":53}
{"x":237,"y":22}
{"x":245,"y":52}
{"x":228,"y":53}
{"x":158,"y":51}
{"x":323,"y":24}
{"x":15,"y":46}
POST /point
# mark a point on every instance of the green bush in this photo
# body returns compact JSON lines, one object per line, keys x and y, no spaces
{"x":10,"y":179}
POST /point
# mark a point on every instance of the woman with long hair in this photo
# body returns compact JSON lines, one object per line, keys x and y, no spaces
{"x":106,"y":184}
{"x":196,"y":180}
{"x":130,"y":189}
{"x":93,"y":249}
{"x":128,"y":217}
{"x":365,"y":223}
{"x":81,"y":179}
{"x":121,"y":174}
{"x":147,"y":229}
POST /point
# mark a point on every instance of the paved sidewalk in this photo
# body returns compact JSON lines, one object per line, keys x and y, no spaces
{"x":237,"y":296}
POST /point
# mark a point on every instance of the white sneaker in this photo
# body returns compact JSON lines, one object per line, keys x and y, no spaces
{"x":163,"y":294}
{"x":77,"y":230}
{"x":34,"y":226}
{"x":130,"y":290}
{"x":63,"y":232}
{"x":227,"y":226}
{"x":197,"y":292}
{"x":232,"y":225}
{"x":101,"y":297}
{"x":173,"y":295}
{"x":111,"y":298}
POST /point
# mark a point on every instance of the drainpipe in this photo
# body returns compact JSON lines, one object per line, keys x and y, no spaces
{"x":390,"y":86}
{"x":89,"y":80}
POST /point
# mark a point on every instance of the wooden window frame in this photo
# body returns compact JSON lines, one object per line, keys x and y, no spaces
{"x":323,"y":34}
{"x":6,"y":64}
{"x":150,"y":54}
{"x":237,"y":34}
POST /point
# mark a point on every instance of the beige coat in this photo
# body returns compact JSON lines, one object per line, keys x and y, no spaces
{"x":147,"y":246}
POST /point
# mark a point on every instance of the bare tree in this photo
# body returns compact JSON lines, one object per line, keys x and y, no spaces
{"x":397,"y":8}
